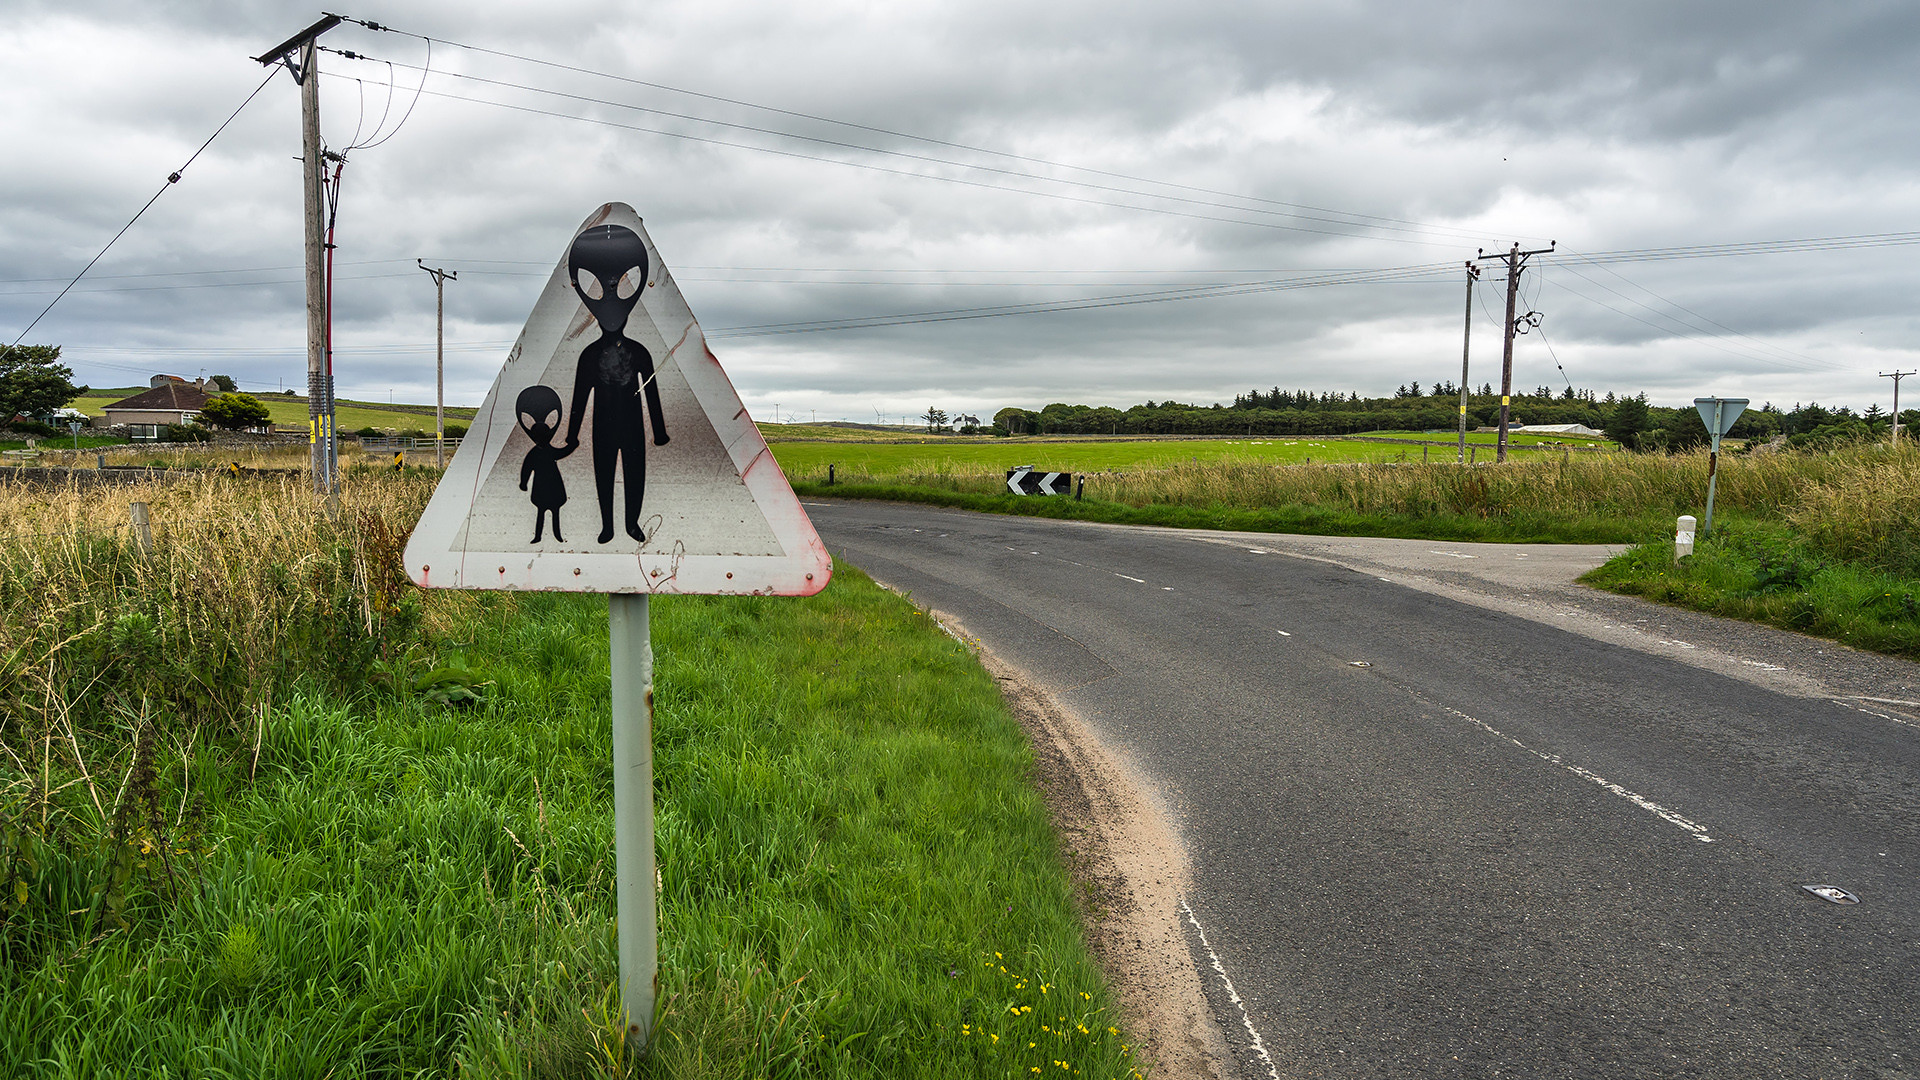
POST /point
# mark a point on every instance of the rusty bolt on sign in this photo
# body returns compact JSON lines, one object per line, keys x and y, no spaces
{"x":1832,"y":894}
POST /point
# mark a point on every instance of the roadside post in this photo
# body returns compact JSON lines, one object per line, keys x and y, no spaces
{"x":1718,"y":414}
{"x":610,"y":401}
{"x":1683,"y":535}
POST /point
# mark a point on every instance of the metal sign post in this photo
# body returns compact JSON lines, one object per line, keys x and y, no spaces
{"x":1718,"y":414}
{"x":630,"y":653}
{"x":574,"y":436}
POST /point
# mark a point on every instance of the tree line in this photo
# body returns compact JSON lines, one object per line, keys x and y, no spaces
{"x":1632,"y":421}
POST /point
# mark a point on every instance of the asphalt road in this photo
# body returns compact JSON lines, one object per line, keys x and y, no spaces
{"x":1430,"y":837}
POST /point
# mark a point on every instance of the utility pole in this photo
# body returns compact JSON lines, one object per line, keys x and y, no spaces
{"x":1466,"y":341}
{"x":1896,"y":376}
{"x":306,"y":73}
{"x":1516,"y":261}
{"x":439,"y":359}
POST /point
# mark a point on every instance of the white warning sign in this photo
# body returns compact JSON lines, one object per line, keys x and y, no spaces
{"x":612,"y":454}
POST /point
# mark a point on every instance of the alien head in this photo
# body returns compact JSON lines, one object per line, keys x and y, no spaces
{"x":608,"y":268}
{"x":533,"y":407}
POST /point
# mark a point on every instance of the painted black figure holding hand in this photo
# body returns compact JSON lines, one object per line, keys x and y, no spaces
{"x":608,"y":266}
{"x":535,"y":407}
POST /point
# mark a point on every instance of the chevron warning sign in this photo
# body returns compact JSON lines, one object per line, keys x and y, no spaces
{"x":1022,"y":480}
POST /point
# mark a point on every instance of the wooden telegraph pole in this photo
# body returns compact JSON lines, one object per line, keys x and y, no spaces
{"x":1896,"y":375}
{"x":1466,"y":341}
{"x":440,"y":278}
{"x":1516,"y":261}
{"x":305,"y":70}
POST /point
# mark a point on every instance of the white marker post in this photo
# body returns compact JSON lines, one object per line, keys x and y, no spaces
{"x":611,"y":414}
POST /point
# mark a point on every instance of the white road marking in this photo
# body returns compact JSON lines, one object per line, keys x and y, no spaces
{"x":1772,"y":667}
{"x":1682,"y":644}
{"x":1283,"y":633}
{"x":1166,"y":588}
{"x":1142,"y":581}
{"x":1453,"y":554}
{"x":1881,"y":715}
{"x":1258,"y":551}
{"x":1387,"y":580}
{"x":1259,"y":1044}
{"x":1890,"y":701}
{"x":1699,"y":831}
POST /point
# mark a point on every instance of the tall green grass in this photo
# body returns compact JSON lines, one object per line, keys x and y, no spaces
{"x":1571,"y":498}
{"x":1839,"y":558}
{"x":349,"y":869}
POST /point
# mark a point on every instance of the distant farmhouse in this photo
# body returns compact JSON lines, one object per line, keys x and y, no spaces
{"x":170,"y":400}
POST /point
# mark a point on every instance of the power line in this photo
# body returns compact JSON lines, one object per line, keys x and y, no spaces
{"x":1428,"y":272}
{"x":1754,"y":247}
{"x":925,"y":158}
{"x":1682,"y":307}
{"x":900,"y":134}
{"x":172,"y":179}
{"x":868,"y":166}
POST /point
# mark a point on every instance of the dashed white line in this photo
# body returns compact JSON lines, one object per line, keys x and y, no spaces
{"x":1283,"y":633}
{"x":1129,"y":577}
{"x":1259,"y":1044}
{"x":1699,"y":831}
{"x":1453,"y":554}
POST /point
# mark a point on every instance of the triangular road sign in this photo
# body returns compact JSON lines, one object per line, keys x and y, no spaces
{"x":1728,"y":408}
{"x":612,"y":454}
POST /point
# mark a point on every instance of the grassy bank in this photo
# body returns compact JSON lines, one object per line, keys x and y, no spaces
{"x":371,"y":835}
{"x":1840,"y":559}
{"x":1596,"y":498}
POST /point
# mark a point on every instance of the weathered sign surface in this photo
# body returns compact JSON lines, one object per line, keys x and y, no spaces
{"x":612,"y":454}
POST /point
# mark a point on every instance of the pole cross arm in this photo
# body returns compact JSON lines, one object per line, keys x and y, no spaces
{"x":1517,"y":253}
{"x":279,"y":52}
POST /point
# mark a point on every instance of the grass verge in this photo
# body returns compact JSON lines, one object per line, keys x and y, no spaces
{"x":1767,"y":572}
{"x":401,"y":865}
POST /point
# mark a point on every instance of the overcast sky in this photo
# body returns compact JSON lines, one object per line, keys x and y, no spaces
{"x":1028,"y":154}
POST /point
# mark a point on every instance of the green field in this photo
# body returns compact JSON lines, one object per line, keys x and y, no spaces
{"x":284,"y":411}
{"x":934,"y":455}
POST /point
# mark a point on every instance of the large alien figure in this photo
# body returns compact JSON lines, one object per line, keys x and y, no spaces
{"x":608,"y":267}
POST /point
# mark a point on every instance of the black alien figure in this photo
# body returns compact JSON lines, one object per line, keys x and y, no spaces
{"x":608,"y":267}
{"x":534,"y":407}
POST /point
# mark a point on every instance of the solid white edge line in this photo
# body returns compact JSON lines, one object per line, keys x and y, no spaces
{"x":1699,"y":831}
{"x":1259,"y":1044}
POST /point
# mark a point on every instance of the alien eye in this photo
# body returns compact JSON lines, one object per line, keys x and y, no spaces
{"x":589,"y":285}
{"x":630,"y":282}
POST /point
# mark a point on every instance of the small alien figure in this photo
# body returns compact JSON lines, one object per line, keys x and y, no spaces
{"x":535,"y":406}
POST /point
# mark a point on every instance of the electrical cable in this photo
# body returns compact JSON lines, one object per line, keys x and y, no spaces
{"x":838,"y":144}
{"x":1060,"y":196}
{"x":1681,"y":307}
{"x":896,"y":134}
{"x":172,"y":179}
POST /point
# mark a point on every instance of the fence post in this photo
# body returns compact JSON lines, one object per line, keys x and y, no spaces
{"x":142,"y":528}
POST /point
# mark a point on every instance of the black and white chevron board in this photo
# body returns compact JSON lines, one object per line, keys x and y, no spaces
{"x":1022,"y":480}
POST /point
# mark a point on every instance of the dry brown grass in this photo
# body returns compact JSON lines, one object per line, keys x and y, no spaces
{"x":251,"y":584}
